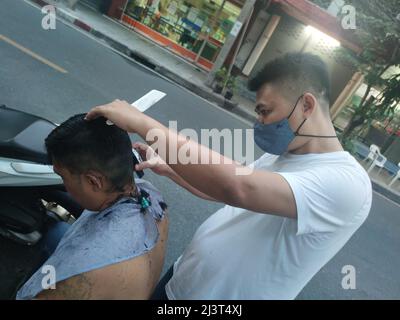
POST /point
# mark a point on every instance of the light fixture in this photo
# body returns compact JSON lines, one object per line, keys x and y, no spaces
{"x":316,"y":34}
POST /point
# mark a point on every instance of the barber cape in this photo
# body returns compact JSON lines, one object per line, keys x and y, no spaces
{"x":98,"y":239}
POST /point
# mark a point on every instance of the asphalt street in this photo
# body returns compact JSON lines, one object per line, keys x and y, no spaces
{"x":58,"y":73}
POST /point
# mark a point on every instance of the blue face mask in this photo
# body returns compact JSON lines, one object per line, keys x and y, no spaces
{"x":275,"y":137}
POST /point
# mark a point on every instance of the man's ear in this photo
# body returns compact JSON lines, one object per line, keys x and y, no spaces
{"x":309,"y":104}
{"x":96,"y":180}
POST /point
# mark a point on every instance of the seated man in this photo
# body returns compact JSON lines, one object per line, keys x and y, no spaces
{"x":115,"y":249}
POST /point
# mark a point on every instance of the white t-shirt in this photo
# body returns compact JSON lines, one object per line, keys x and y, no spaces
{"x":240,"y":254}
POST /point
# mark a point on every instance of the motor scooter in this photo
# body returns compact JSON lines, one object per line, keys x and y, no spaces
{"x":31,"y":194}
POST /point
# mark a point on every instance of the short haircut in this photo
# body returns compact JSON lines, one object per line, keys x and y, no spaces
{"x":296,"y":73}
{"x":80,"y":145}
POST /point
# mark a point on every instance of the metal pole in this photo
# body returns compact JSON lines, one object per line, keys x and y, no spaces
{"x":244,"y":14}
{"x":243,"y":31}
{"x":123,"y":9}
{"x":208,"y":33}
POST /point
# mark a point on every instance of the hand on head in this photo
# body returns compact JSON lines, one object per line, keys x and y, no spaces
{"x":119,"y":112}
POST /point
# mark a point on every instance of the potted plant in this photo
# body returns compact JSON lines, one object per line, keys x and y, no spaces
{"x":230,"y":87}
{"x":220,"y":79}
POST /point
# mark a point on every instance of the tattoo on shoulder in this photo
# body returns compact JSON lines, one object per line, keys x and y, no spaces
{"x":77,"y":288}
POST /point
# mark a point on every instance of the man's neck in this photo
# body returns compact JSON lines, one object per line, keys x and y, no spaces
{"x":320,"y":144}
{"x":129,"y":191}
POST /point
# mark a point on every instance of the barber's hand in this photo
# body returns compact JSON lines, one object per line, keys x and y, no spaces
{"x":119,"y":112}
{"x":151,"y":160}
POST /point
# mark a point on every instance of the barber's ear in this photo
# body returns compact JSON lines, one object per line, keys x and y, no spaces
{"x":309,"y":104}
{"x":95,"y":180}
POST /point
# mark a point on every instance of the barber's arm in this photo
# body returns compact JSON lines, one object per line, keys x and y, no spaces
{"x":154,"y":162}
{"x":178,"y":180}
{"x":259,"y":191}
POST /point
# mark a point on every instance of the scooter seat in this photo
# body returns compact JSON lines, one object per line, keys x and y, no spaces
{"x":22,"y":135}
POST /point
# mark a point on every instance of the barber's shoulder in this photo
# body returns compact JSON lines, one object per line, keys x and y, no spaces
{"x":348,"y":185}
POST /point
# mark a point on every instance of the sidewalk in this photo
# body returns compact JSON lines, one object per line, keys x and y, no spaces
{"x":173,"y":67}
{"x":380,"y":180}
{"x":157,"y":57}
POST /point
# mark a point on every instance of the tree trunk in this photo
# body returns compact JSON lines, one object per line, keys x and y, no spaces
{"x":354,"y":121}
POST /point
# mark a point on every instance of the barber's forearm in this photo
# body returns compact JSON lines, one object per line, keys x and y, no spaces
{"x":216,"y":180}
{"x":178,"y":180}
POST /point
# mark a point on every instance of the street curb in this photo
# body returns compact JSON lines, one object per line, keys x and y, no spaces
{"x":202,"y":91}
{"x":206,"y":93}
{"x":65,"y":16}
{"x":381,"y":189}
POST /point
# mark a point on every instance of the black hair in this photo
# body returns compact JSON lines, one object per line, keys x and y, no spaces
{"x":80,"y":145}
{"x":297,"y":73}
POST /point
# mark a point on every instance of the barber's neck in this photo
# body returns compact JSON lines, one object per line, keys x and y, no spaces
{"x":318,"y":126}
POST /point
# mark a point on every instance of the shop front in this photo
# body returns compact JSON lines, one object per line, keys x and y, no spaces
{"x":193,"y":29}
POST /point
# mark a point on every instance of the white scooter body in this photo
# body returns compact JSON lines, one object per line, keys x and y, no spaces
{"x":14,"y":173}
{"x":21,"y":173}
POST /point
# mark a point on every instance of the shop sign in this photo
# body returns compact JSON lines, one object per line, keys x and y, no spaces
{"x":236,"y":28}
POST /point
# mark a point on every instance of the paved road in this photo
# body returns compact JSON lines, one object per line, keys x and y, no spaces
{"x":94,"y":75}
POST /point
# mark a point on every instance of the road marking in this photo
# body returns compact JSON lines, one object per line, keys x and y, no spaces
{"x":32,"y":54}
